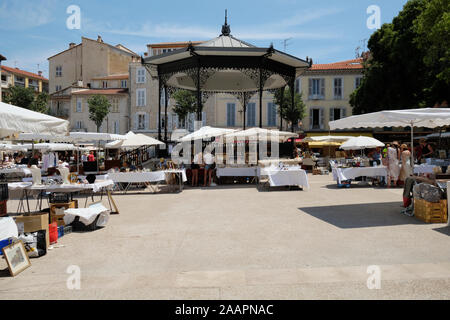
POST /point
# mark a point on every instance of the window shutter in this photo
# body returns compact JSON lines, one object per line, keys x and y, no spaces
{"x":310,"y":87}
{"x":322,"y":87}
{"x":169,"y":121}
{"x":331,"y":114}
{"x":322,"y":118}
{"x":343,"y":112}
{"x":135,"y":122}
{"x":311,"y":113}
{"x":203,"y":118}
{"x":144,"y":97}
{"x":146,"y":121}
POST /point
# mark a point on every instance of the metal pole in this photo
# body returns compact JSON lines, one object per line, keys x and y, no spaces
{"x":159,"y":110}
{"x":245,"y":108}
{"x":281,"y":107}
{"x":412,"y":146}
{"x":165,"y":114}
{"x":260,"y":97}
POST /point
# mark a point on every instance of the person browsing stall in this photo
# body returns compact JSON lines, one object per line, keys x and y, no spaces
{"x":209,"y":160}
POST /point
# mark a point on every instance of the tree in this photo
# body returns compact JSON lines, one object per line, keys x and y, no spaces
{"x":98,"y":109}
{"x":40,"y":103}
{"x":433,"y":37}
{"x":287,"y":111}
{"x":408,"y":60}
{"x":185,"y":103}
{"x":20,"y":96}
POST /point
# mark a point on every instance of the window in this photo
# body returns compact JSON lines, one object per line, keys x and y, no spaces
{"x":297,"y":85}
{"x":116,"y":126}
{"x":123,"y":83}
{"x":140,"y":75}
{"x":338,"y":84}
{"x":317,"y":88}
{"x":57,"y":88}
{"x":141,"y":121}
{"x":59,"y":71}
{"x":337,"y":113}
{"x":271,"y":114}
{"x":316,"y":118}
{"x":105,"y":84}
{"x":79,"y":105}
{"x":115,"y":105}
{"x":251,"y":114}
{"x":358,"y":82}
{"x":140,"y":97}
{"x":231,"y":114}
{"x":79,"y":125}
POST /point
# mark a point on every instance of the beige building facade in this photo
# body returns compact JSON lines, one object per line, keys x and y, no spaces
{"x":326,"y":90}
{"x":91,"y":67}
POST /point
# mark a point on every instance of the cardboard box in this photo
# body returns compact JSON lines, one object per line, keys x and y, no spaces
{"x":59,"y":219}
{"x":33,"y":223}
{"x":54,"y":206}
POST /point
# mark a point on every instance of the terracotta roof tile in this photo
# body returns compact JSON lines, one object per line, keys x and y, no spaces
{"x":341,"y":65}
{"x":24,"y":73}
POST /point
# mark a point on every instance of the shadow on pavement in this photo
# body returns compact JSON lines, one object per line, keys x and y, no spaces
{"x":444,"y":230}
{"x":363,"y":215}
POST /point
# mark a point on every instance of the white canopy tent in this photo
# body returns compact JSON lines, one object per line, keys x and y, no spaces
{"x":56,"y":147}
{"x":361,"y":142}
{"x":15,"y":120}
{"x":14,"y":147}
{"x":45,"y":137}
{"x":133,"y":140}
{"x":206,"y":133}
{"x":425,"y":117}
{"x":261,"y":134}
{"x":327,"y":138}
{"x":95,"y":136}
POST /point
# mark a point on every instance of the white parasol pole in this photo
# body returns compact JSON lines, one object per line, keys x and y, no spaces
{"x":412,"y":145}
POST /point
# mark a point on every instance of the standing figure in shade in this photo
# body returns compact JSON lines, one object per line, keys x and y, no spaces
{"x":91,"y":157}
{"x":393,"y":167}
{"x":195,"y":167}
{"x":405,"y":156}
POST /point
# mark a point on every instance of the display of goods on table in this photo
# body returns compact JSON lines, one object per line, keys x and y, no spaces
{"x":431,"y":212}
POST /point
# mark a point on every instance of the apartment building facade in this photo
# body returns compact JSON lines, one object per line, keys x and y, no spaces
{"x":11,"y":77}
{"x":89,"y":68}
{"x":326,"y":90}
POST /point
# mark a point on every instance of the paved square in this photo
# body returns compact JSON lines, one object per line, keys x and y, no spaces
{"x":235,"y":242}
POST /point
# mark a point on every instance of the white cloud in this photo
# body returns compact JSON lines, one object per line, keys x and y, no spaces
{"x":20,"y":15}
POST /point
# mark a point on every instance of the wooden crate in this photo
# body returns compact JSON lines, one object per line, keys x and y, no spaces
{"x":431,"y":212}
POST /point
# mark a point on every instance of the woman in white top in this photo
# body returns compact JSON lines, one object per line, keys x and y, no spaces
{"x":405,"y":156}
{"x":393,"y":167}
{"x":208,"y":158}
{"x":195,"y":167}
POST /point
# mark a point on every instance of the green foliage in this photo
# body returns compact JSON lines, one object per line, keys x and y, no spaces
{"x":291,"y":113}
{"x":185,"y":103}
{"x":40,"y":104}
{"x":98,"y":109}
{"x":433,"y":37}
{"x":408,"y":66}
{"x":20,"y":96}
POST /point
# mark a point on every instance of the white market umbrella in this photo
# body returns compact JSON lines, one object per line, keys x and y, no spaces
{"x":15,"y":120}
{"x":133,"y":140}
{"x":95,"y":136}
{"x":55,"y":146}
{"x":261,"y":134}
{"x":45,"y":137}
{"x":206,"y":133}
{"x":361,"y":142}
{"x":14,"y":147}
{"x":424,"y":117}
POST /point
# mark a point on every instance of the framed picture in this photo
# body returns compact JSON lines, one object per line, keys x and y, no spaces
{"x":16,"y":257}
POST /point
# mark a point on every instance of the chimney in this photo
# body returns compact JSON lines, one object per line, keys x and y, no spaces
{"x":99,"y":39}
{"x":145,"y":54}
{"x":71,"y":45}
{"x":40,"y":73}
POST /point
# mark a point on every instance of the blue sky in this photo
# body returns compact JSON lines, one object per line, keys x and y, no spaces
{"x":328,"y":31}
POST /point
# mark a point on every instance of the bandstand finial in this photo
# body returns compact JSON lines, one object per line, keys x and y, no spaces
{"x":226,"y":28}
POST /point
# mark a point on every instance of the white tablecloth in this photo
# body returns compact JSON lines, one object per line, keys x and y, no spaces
{"x":236,"y":172}
{"x":142,"y":177}
{"x":290,"y":177}
{"x":423,"y":168}
{"x":95,"y":187}
{"x":342,"y":174}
